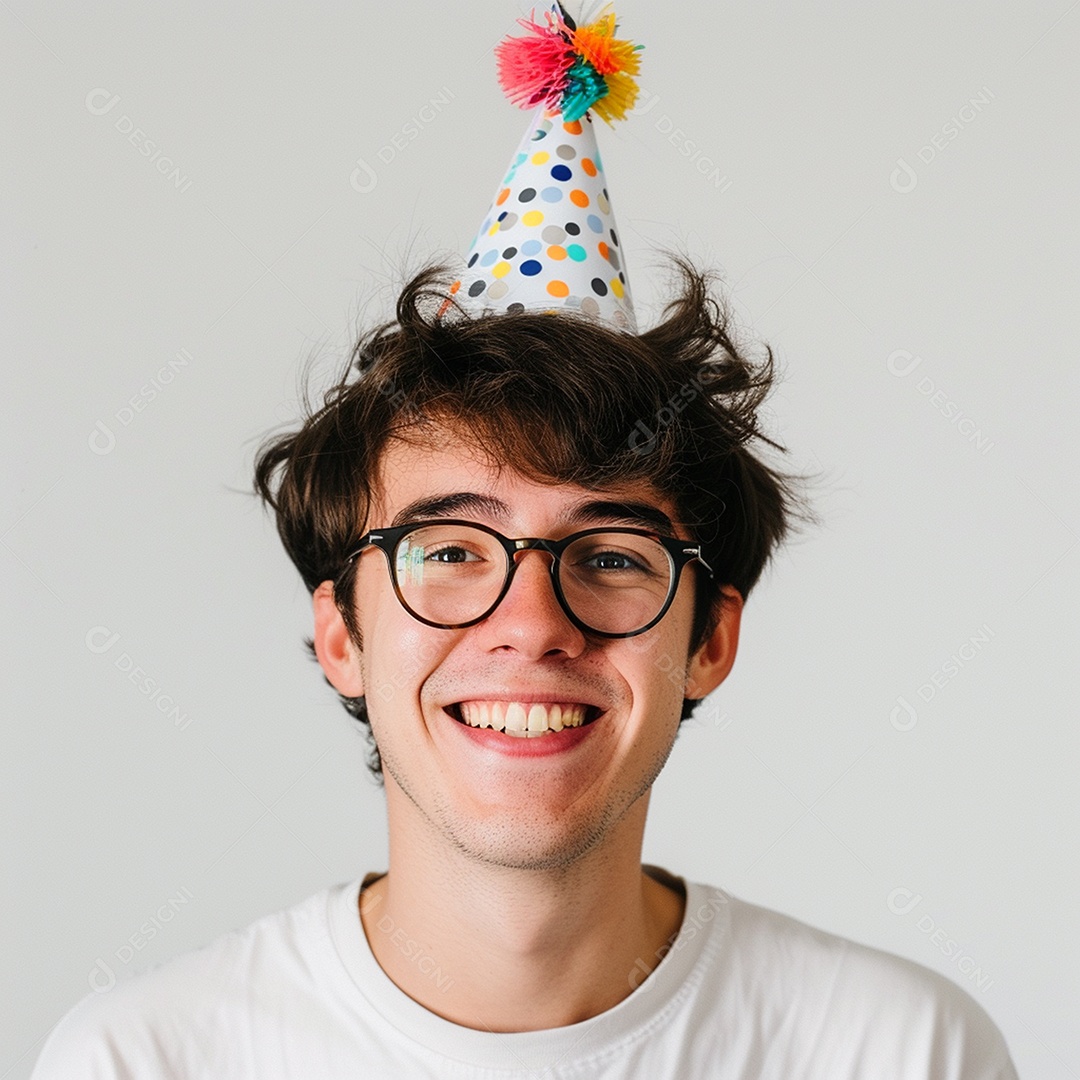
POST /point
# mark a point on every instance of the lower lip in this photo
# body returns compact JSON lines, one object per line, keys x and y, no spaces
{"x":554,"y":742}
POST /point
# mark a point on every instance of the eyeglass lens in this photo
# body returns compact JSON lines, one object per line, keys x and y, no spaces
{"x":613,"y":582}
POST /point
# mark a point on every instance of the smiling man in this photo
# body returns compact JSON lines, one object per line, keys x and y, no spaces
{"x":529,"y":532}
{"x":521,"y":603}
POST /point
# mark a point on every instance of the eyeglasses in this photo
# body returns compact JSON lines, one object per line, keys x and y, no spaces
{"x":612,"y":581}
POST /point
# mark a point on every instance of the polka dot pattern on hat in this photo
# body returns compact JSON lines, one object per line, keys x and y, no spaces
{"x":549,"y":241}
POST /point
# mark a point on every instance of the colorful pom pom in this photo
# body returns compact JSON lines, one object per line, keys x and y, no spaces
{"x":571,"y":70}
{"x":532,"y":70}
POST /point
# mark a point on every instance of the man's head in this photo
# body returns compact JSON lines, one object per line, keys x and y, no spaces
{"x":545,"y":408}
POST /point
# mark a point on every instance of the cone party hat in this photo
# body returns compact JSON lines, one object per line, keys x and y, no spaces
{"x":549,"y":241}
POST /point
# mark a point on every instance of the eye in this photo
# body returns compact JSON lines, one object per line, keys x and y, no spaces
{"x":612,"y":560}
{"x":610,"y":563}
{"x":451,"y":553}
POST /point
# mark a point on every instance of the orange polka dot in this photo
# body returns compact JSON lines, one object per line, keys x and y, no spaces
{"x":603,"y":249}
{"x":454,"y":288}
{"x":579,"y":198}
{"x":617,"y":287}
{"x":558,"y":288}
{"x":503,"y":196}
{"x":588,"y":166}
{"x":556,"y":252}
{"x":573,"y":127}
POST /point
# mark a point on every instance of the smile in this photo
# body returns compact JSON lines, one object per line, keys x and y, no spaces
{"x":524,"y":719}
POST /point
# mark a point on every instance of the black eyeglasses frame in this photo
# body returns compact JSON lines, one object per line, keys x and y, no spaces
{"x":680,"y":552}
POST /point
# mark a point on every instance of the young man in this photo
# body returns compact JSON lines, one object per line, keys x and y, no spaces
{"x":529,"y":532}
{"x":523,"y":599}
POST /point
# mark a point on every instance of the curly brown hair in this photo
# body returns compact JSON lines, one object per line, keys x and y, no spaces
{"x":563,"y":398}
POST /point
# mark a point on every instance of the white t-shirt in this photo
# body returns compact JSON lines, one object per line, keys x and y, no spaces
{"x":743,"y":993}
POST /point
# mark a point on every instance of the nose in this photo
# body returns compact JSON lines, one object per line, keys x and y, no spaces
{"x":530,"y":618}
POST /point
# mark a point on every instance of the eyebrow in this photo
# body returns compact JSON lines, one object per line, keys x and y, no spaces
{"x":449,"y":505}
{"x":622,"y":511}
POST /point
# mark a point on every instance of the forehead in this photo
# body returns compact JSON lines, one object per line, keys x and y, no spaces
{"x":447,"y":474}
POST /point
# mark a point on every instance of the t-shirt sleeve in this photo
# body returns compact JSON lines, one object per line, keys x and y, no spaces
{"x":96,"y":1041}
{"x":978,"y":1046}
{"x":934,"y":1028}
{"x":834,"y":1009}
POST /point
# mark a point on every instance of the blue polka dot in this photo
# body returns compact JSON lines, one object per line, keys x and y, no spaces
{"x":502,"y":215}
{"x":531,"y":247}
{"x":595,"y":223}
{"x":531,"y":268}
{"x":562,"y":172}
{"x":489,"y":257}
{"x":475,"y":256}
{"x":551,"y":194}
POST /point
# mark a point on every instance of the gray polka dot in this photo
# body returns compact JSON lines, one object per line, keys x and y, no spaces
{"x":498,"y":289}
{"x":508,"y":222}
{"x":590,"y":306}
{"x":604,"y":205}
{"x":613,"y":257}
{"x":620,"y":319}
{"x":567,"y":153}
{"x":553,"y":234}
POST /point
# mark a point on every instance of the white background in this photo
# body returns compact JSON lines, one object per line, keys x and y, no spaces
{"x":806,"y":785}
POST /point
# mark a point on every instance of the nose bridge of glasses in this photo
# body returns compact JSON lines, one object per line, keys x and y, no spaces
{"x":531,"y":543}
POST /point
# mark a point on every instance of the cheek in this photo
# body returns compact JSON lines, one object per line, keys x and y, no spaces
{"x":401,"y":656}
{"x":655,"y":664}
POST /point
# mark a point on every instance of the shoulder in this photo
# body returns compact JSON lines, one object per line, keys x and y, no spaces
{"x":838,"y":964}
{"x":850,"y":1000}
{"x":149,"y":1023}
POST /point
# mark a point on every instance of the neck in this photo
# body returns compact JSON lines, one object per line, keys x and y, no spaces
{"x":510,"y":949}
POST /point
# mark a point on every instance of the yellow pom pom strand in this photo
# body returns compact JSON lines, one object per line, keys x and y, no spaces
{"x":616,"y":59}
{"x":622,"y":93}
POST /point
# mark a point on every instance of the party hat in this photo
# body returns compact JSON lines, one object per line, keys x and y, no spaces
{"x":549,"y":241}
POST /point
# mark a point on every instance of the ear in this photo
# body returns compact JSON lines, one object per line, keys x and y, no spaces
{"x":337,"y":652}
{"x":710,"y":665}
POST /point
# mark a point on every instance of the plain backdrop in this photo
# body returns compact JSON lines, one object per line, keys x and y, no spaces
{"x":199,"y":198}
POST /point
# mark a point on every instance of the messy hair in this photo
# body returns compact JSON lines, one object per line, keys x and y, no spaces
{"x":563,"y":399}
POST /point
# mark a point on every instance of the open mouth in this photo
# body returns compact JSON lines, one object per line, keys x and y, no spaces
{"x":524,"y":719}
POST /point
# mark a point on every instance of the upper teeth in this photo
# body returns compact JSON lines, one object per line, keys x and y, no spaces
{"x":523,"y":719}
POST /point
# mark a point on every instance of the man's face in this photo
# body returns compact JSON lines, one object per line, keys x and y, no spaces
{"x":500,"y":807}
